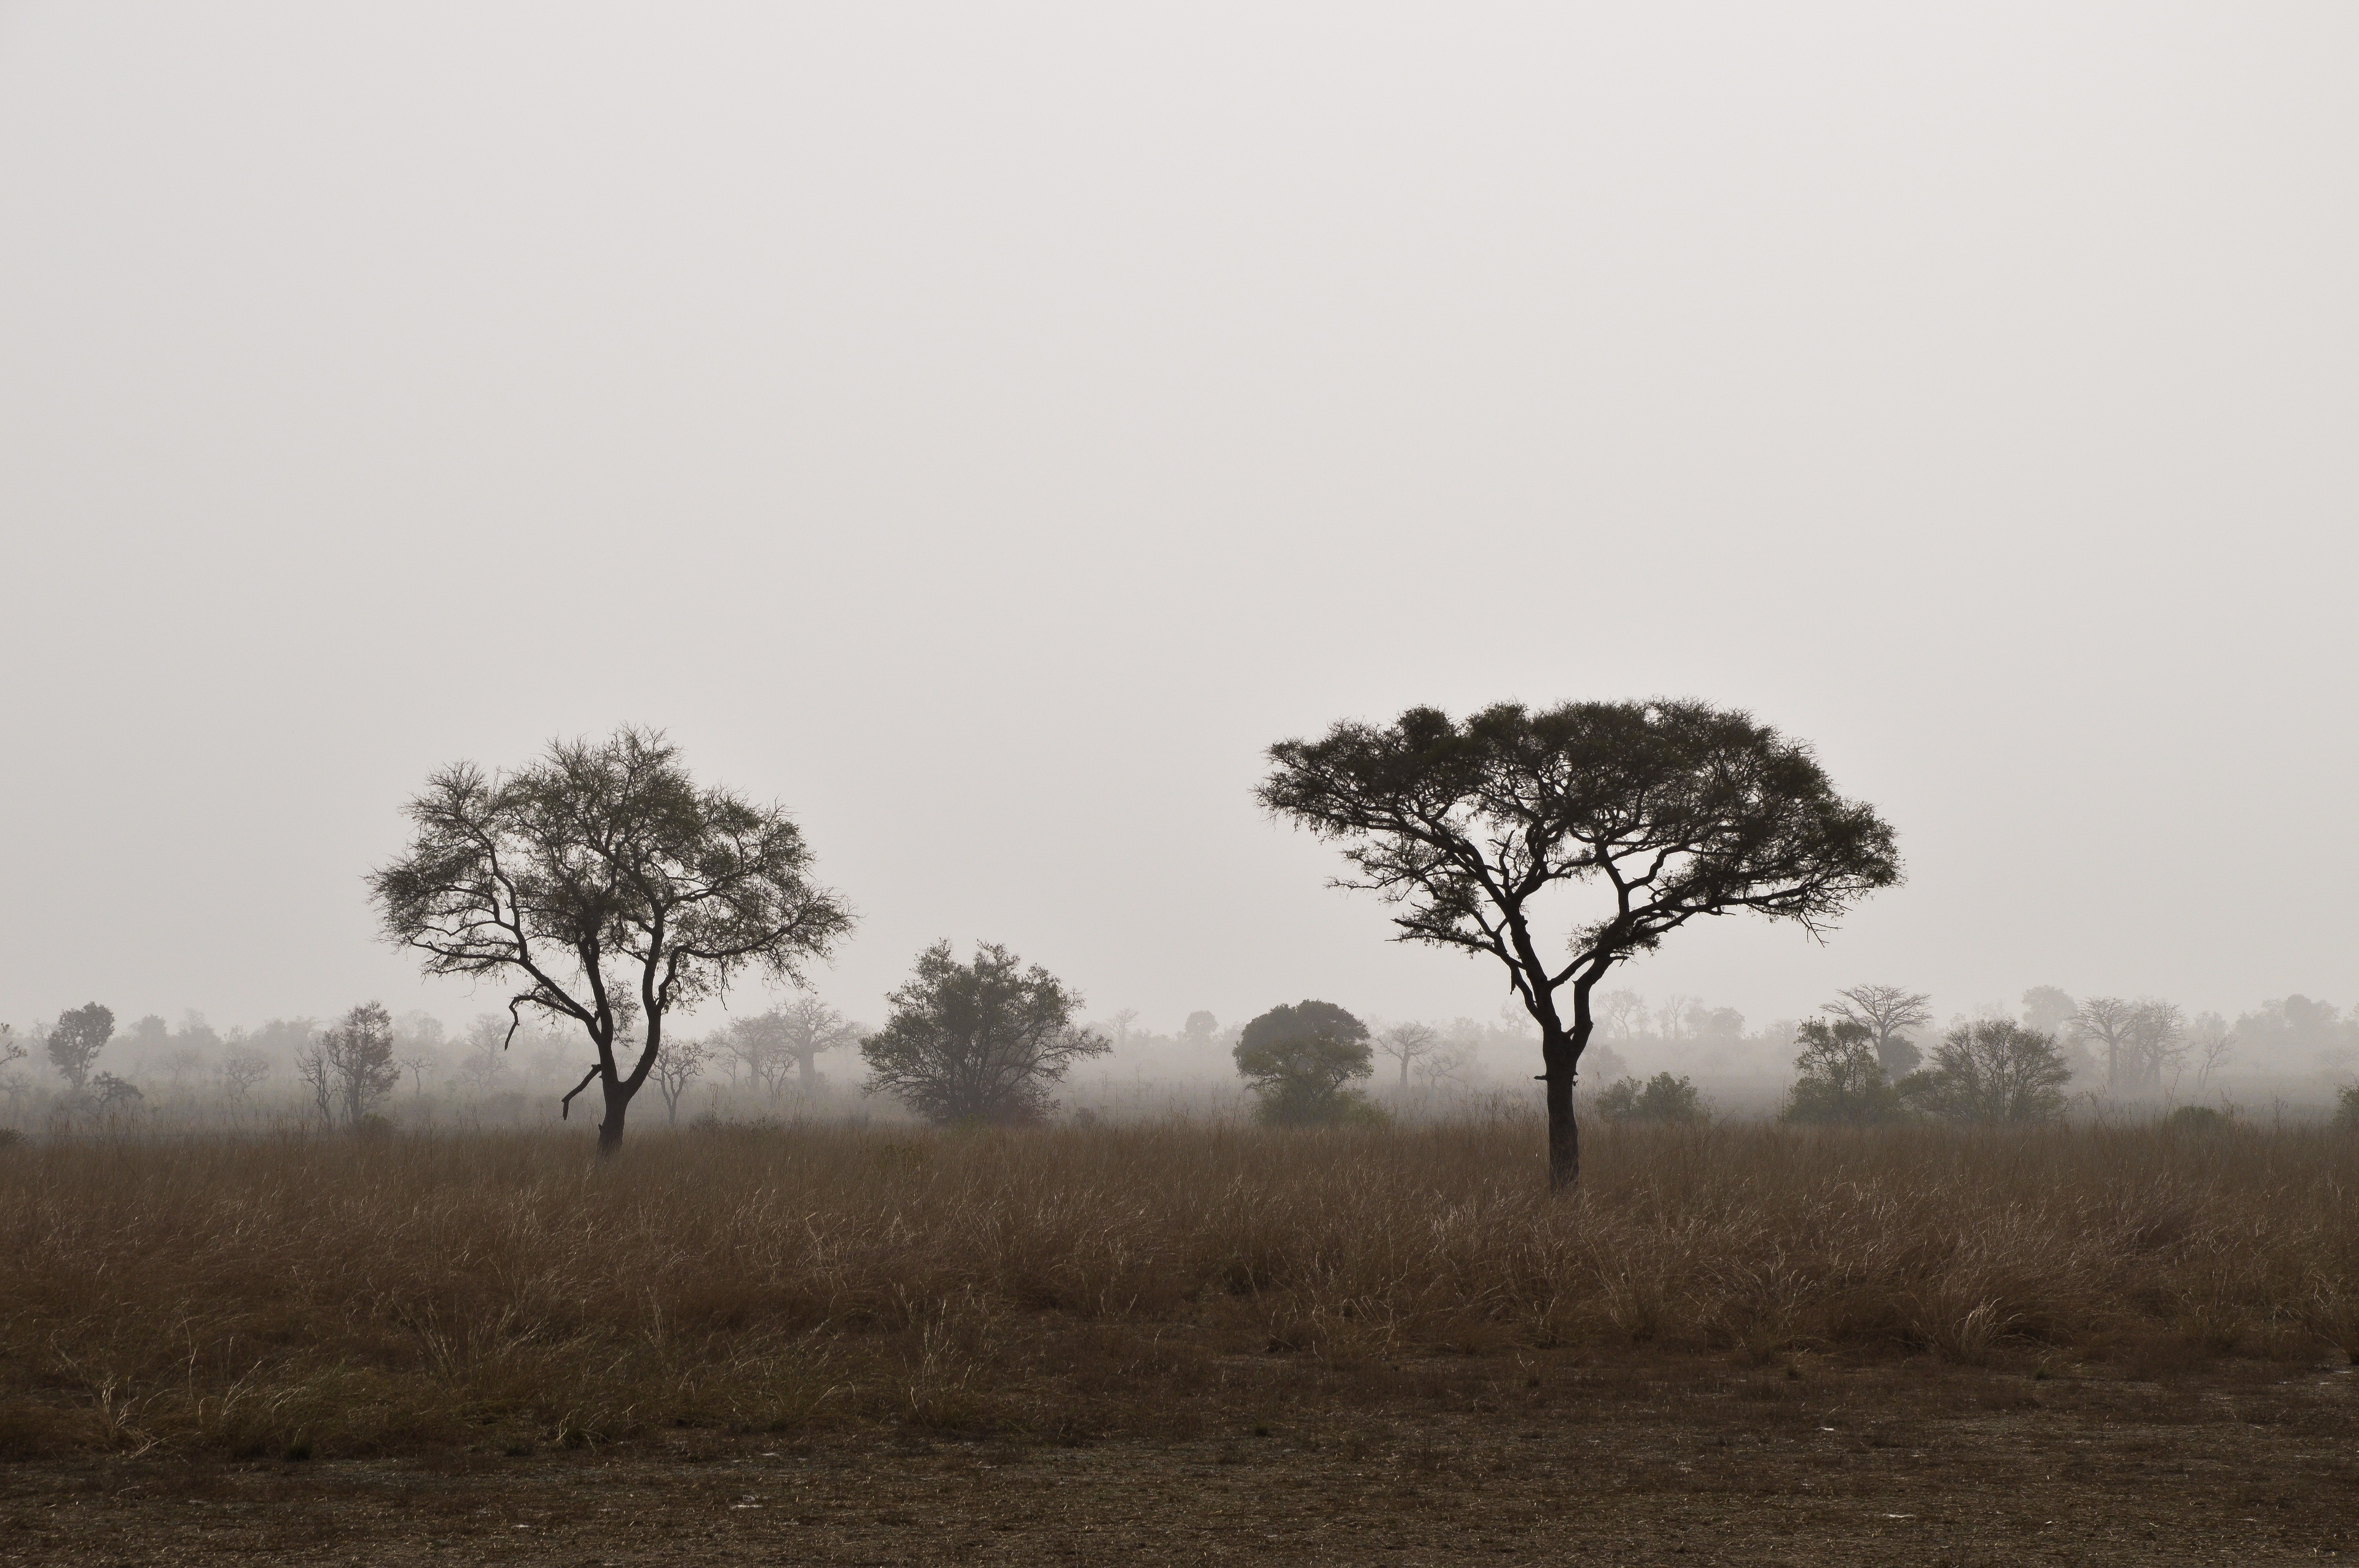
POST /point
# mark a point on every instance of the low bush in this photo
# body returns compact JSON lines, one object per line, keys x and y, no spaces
{"x":1660,"y":1098}
{"x":2197,"y":1119}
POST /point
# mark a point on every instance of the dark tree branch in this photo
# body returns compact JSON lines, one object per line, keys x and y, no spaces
{"x":565,"y":1105}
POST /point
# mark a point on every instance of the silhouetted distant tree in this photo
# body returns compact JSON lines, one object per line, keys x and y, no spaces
{"x":485,"y":1061}
{"x":675,"y":1070}
{"x":982,"y":1041}
{"x":792,"y":1035}
{"x":351,"y":1067}
{"x":1672,"y":1013}
{"x":2142,"y":1040}
{"x":1676,"y":810}
{"x":1299,"y":1057}
{"x":1623,"y":1014}
{"x":2158,"y":1045}
{"x":2106,"y":1021}
{"x":602,"y":873}
{"x":1407,"y":1045}
{"x":1200,"y":1029}
{"x":1991,"y":1070}
{"x":11,"y":1048}
{"x":242,"y":1070}
{"x":1842,"y":1077}
{"x":2290,"y":1028}
{"x":2049,"y":1009}
{"x":1887,"y":1014}
{"x":76,"y":1039}
{"x":2211,"y":1043}
{"x":417,"y":1040}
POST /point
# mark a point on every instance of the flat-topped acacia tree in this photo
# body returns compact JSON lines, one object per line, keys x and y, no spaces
{"x":1667,"y":810}
{"x":611,"y":889}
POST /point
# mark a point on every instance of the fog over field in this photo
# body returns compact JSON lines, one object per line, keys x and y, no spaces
{"x":1106,"y":784}
{"x":985,"y":431}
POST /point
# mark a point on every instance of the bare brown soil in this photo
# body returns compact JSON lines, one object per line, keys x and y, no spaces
{"x":1511,"y":1460}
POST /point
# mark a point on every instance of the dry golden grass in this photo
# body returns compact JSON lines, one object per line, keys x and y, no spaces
{"x":326,"y":1296}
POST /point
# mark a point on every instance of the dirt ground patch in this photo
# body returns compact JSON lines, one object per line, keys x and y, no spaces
{"x":1697,"y":1462}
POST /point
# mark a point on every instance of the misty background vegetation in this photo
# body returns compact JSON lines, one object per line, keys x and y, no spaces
{"x":2281,"y":1057}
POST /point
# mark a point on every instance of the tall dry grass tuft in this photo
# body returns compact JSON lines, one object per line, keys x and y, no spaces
{"x":343,"y":1295}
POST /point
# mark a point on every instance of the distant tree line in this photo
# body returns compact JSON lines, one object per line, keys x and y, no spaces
{"x":607,"y":892}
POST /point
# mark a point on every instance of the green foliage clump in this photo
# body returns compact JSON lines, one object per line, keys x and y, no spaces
{"x":1993,"y":1071}
{"x":1298,"y":1060}
{"x":2346,"y":1108}
{"x":1843,"y":1079}
{"x":2197,"y":1119}
{"x":1660,"y":1098}
{"x":980,"y":1042}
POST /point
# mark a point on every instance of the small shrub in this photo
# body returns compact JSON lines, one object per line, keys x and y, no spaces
{"x":111,"y":1093}
{"x":1660,"y":1098}
{"x":1843,"y":1079}
{"x":2346,"y":1108}
{"x":2197,"y":1119}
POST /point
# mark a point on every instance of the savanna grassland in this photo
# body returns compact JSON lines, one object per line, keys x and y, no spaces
{"x":1191,"y":1341}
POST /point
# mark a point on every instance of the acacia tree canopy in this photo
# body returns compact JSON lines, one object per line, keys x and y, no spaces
{"x":603,"y":882}
{"x":1669,"y":810}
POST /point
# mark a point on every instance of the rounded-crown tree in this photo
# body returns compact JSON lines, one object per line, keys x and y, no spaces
{"x":610,"y":888}
{"x":1667,"y":811}
{"x":1299,"y":1059}
{"x":979,"y":1043}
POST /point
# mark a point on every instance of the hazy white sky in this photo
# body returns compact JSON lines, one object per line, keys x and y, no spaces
{"x":984,"y":428}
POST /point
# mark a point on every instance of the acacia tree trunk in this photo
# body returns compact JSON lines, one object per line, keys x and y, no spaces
{"x":610,"y":1131}
{"x":1563,"y":1134}
{"x":1560,"y":1051}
